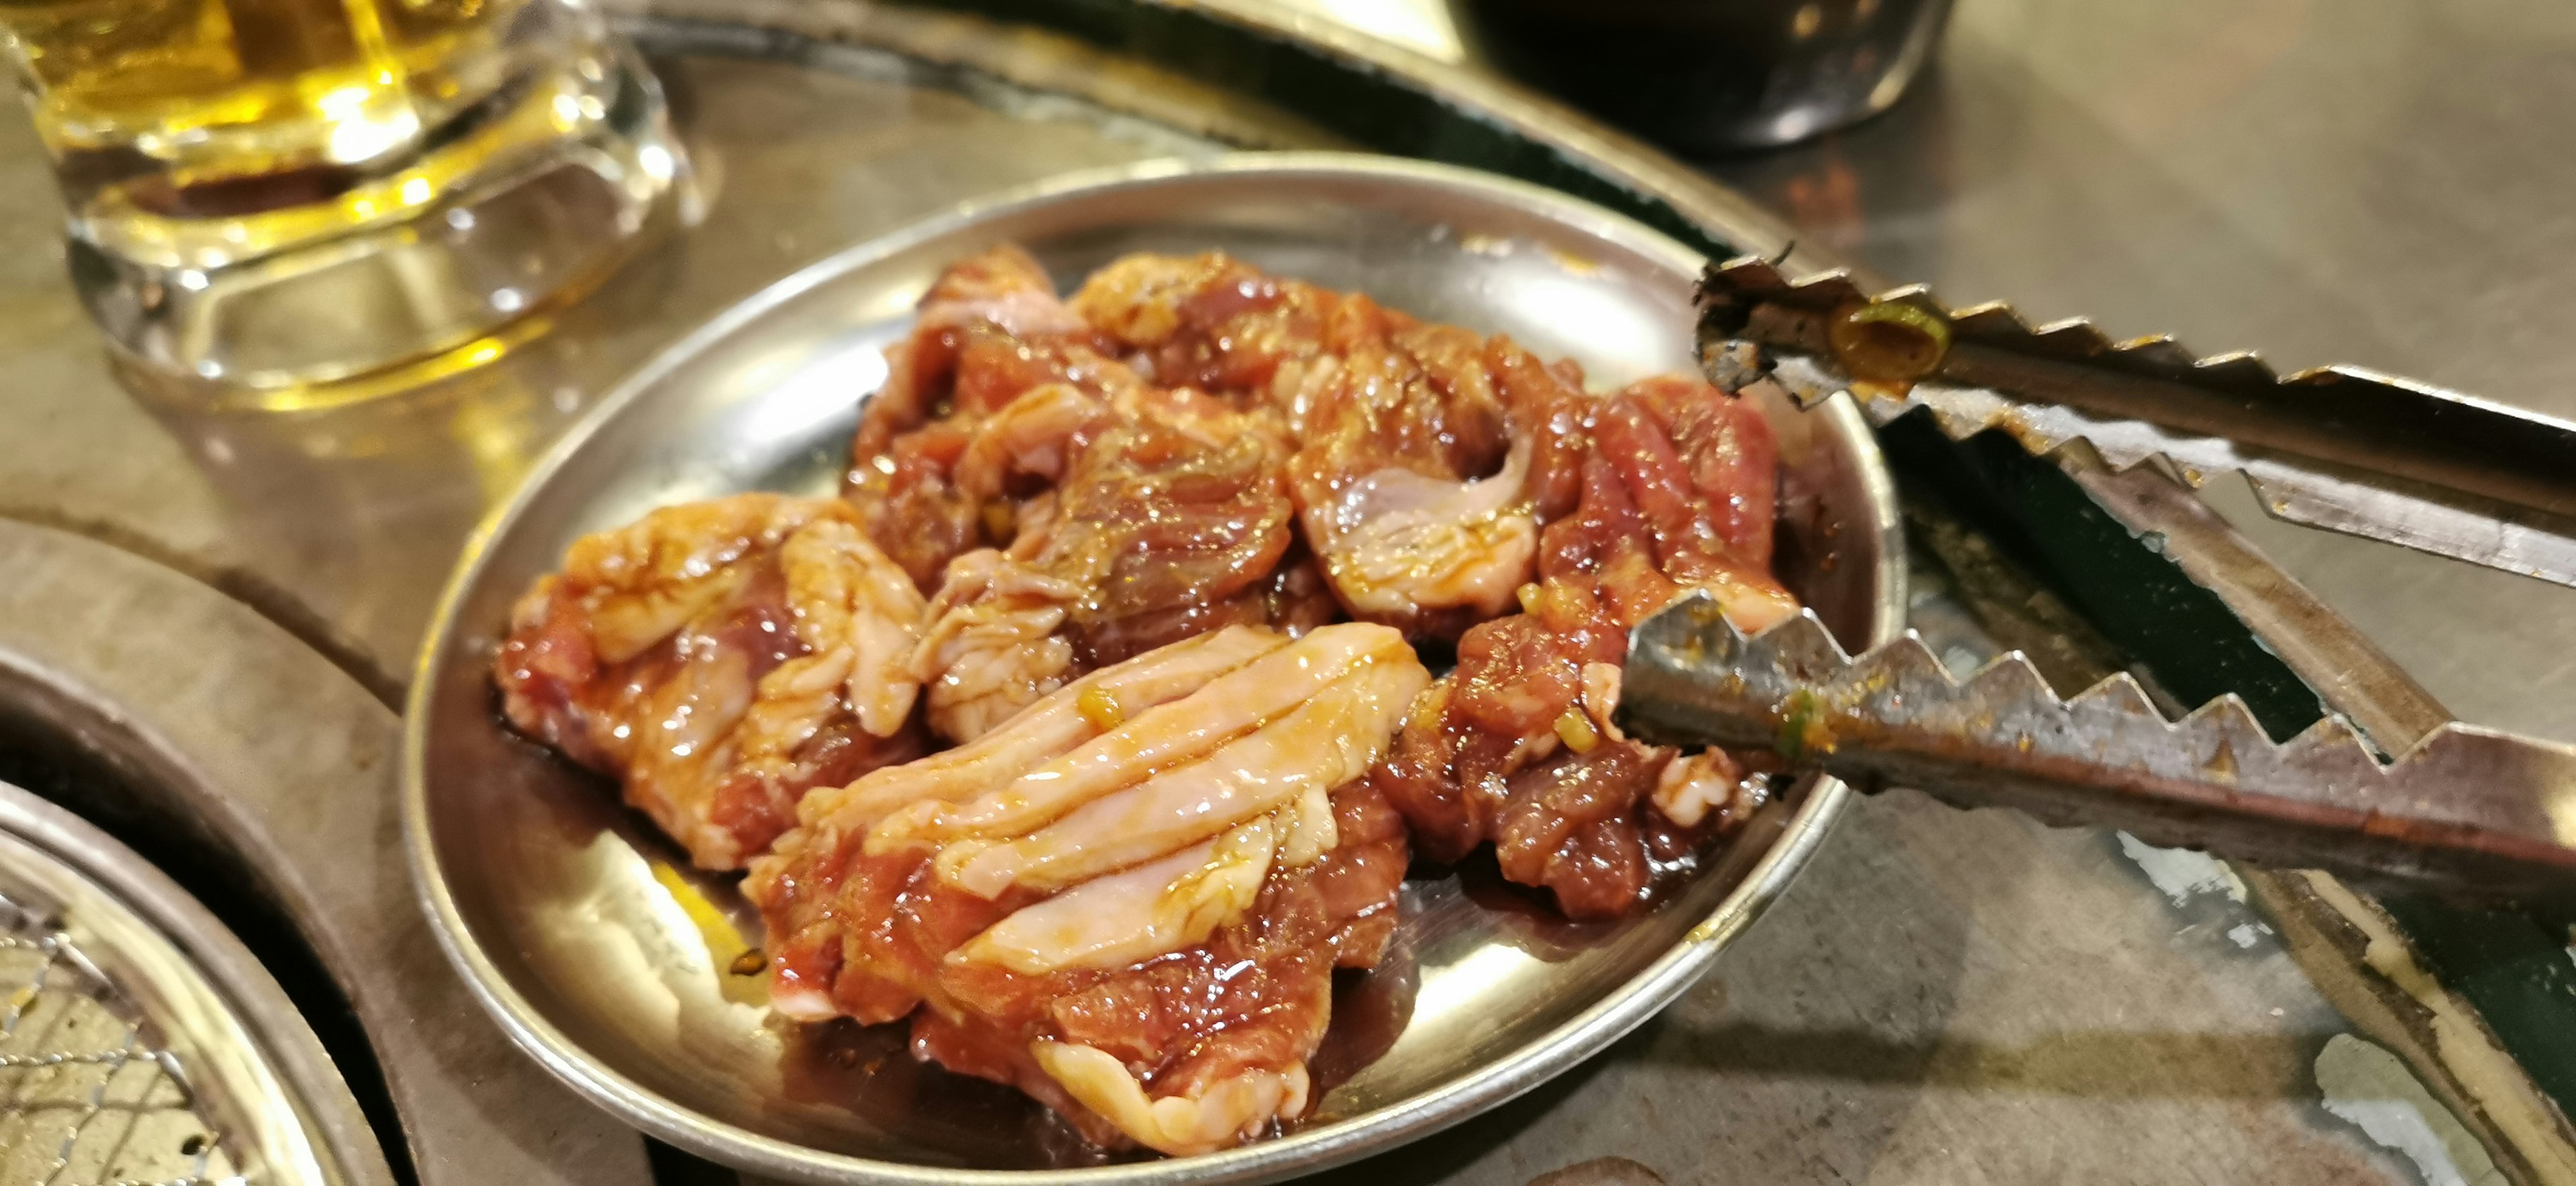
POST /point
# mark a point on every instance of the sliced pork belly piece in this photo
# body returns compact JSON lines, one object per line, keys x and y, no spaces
{"x":989,"y":329}
{"x":1422,"y":510}
{"x":983,"y":325}
{"x":1203,"y":1046}
{"x":1700,"y":473}
{"x":1210,"y":321}
{"x":1517,"y":746}
{"x":995,"y":642}
{"x":1063,"y":512}
{"x":1168,"y":521}
{"x":830,"y":905}
{"x":1140,"y":739}
{"x":1135,"y":914}
{"x":1054,"y":725}
{"x":1549,"y":415}
{"x":719,"y":659}
{"x":1334,"y":735}
{"x":1193,"y":951}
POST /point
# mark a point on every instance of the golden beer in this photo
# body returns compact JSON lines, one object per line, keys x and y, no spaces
{"x":273,"y":191}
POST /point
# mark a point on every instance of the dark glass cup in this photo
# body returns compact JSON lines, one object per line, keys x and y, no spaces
{"x":1714,"y":75}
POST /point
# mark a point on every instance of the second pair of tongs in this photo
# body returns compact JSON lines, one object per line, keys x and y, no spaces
{"x":2465,"y":811}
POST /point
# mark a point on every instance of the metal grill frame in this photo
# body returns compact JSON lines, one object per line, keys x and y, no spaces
{"x":62,"y":968}
{"x":98,"y":934}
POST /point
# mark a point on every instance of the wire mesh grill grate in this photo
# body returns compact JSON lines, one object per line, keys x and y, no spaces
{"x":87,"y":1095}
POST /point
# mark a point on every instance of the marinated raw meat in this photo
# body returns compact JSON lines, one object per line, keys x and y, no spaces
{"x":1108,"y":545}
{"x":989,"y":329}
{"x":1127,"y":899}
{"x":1205,"y":1047}
{"x":1408,"y":487}
{"x":1212,"y":322}
{"x":1161,"y":528}
{"x":1517,"y":744}
{"x":1064,"y":513}
{"x":720,"y":658}
{"x":988,"y":316}
{"x":1549,"y":414}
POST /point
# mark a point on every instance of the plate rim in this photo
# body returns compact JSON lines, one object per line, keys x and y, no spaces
{"x":1619,"y":1011}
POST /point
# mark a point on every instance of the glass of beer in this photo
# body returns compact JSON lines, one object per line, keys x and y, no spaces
{"x":279,"y":195}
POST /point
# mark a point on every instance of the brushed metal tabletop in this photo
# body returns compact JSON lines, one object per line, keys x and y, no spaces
{"x":1946,"y":997}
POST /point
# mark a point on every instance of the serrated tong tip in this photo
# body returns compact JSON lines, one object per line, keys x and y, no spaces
{"x":2467,"y":811}
{"x":2342,"y":448}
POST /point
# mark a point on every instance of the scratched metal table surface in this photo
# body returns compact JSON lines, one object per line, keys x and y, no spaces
{"x":1944,"y":997}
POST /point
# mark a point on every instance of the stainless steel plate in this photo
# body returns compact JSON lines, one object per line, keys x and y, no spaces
{"x":607,"y":959}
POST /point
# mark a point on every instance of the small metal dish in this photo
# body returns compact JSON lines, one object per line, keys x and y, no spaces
{"x":615,"y":966}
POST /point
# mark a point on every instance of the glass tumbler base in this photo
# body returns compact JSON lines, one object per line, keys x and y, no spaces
{"x":523,"y":233}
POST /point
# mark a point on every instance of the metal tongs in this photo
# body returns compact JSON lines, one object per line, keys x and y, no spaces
{"x":2464,"y":811}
